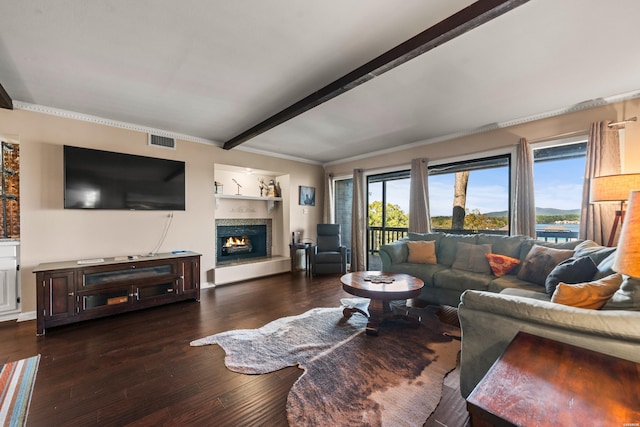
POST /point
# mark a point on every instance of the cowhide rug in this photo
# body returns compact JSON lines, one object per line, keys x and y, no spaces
{"x":350,"y":378}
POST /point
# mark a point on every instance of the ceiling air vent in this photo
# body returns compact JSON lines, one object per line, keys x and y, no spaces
{"x":162,"y":141}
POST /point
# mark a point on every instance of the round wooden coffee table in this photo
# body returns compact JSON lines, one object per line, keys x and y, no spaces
{"x":381,"y":288}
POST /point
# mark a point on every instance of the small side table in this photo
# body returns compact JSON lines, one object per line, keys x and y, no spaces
{"x":538,"y":381}
{"x":293,"y":249}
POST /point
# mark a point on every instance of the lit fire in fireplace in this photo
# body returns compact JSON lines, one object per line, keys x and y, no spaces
{"x":235,"y":241}
{"x":236,"y":244}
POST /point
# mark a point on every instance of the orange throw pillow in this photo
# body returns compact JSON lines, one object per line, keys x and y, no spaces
{"x":422,"y":252}
{"x":591,"y":295}
{"x":501,"y":264}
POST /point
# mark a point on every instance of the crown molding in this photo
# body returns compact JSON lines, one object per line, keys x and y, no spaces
{"x":19,"y":105}
{"x":599,"y":102}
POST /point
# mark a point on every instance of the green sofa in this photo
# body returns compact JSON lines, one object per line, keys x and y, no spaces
{"x":443,"y":284}
{"x":492,"y":310}
{"x":489,"y":322}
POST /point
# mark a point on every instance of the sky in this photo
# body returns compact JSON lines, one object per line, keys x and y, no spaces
{"x":558,"y":184}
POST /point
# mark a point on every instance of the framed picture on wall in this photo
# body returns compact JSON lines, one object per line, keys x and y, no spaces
{"x":307,"y":196}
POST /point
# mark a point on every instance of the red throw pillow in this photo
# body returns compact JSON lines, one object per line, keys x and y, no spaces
{"x":501,"y":264}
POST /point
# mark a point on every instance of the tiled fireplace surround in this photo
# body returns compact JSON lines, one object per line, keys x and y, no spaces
{"x":235,"y":227}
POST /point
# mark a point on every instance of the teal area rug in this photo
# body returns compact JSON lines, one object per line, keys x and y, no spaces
{"x":16,"y":386}
{"x":350,"y":378}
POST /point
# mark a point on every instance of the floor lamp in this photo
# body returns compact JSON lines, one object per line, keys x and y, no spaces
{"x":627,"y":259}
{"x":614,"y":188}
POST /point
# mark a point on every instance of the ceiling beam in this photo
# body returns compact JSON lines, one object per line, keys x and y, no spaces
{"x":472,"y":16}
{"x":5,"y":99}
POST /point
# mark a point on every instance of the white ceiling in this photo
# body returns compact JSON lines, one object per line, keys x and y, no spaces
{"x":212,"y":69}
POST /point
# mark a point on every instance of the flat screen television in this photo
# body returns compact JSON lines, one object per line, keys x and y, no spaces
{"x":96,"y":179}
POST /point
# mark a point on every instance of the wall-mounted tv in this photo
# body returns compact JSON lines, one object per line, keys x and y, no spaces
{"x":96,"y":179}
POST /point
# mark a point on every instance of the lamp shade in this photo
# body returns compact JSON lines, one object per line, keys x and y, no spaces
{"x":627,"y":259}
{"x":613,"y":188}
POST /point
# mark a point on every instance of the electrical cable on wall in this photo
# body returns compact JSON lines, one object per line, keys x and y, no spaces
{"x":163,"y":236}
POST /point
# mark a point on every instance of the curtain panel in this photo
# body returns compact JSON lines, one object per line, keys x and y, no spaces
{"x":358,"y":226}
{"x":603,"y":158}
{"x":419,"y":218}
{"x":329,"y":216}
{"x":524,"y":212}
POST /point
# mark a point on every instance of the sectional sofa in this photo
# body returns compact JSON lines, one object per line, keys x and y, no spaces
{"x":460,"y":263}
{"x":543,"y":295}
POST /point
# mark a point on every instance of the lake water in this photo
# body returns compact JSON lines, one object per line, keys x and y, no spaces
{"x":570,"y":227}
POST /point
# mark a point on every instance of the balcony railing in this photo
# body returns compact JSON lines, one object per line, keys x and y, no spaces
{"x":379,"y":236}
{"x":556,"y":236}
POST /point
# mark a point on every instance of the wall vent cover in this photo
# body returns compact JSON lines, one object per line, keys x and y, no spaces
{"x":162,"y":141}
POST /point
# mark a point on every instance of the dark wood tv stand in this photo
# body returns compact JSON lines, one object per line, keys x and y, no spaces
{"x":74,"y":291}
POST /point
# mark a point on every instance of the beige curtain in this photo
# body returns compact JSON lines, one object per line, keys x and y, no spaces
{"x":603,"y":158}
{"x":329,"y":216}
{"x":524,"y":212}
{"x":358,"y":226}
{"x":419,"y":221}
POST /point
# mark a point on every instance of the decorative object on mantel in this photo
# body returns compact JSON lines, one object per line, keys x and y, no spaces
{"x":271,"y":189}
{"x":307,"y":196}
{"x":217,"y":187}
{"x":262,"y":186}
{"x":239,"y":186}
{"x":278,"y":190}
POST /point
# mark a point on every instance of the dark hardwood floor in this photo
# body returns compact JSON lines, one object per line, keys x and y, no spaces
{"x":138,"y":368}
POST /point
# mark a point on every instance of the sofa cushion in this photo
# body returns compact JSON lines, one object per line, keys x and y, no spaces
{"x":528,"y":244}
{"x":471,"y":257}
{"x":605,"y":267}
{"x":571,"y":270}
{"x":501,"y":264}
{"x":540,"y":296}
{"x":509,"y":281}
{"x":436,"y":236}
{"x":460,"y":280}
{"x":398,"y":251}
{"x":422,"y":252}
{"x":424,"y":272}
{"x":503,"y":245}
{"x":592,"y":295}
{"x":447,"y":248}
{"x":540,"y":261}
{"x":593,"y":250}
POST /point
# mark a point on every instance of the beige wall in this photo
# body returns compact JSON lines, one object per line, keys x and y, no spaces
{"x":508,"y":137}
{"x":50,"y":233}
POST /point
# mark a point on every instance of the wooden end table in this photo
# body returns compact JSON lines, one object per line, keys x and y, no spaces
{"x":541,"y":382}
{"x":293,"y":249}
{"x":381,"y":288}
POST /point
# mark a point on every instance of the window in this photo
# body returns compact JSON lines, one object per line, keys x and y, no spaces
{"x":482,"y":205}
{"x":343,"y":195}
{"x":388,"y":212}
{"x":558,"y":175}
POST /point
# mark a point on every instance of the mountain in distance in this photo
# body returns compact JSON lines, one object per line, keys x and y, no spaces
{"x":541,"y":211}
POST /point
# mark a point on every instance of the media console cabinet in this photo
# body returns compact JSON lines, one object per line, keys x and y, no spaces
{"x":74,"y":291}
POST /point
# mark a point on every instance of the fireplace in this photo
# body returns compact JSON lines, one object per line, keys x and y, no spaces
{"x":242,"y":240}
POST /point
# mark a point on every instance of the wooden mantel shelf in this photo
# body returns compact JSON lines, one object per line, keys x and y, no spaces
{"x":270,"y":200}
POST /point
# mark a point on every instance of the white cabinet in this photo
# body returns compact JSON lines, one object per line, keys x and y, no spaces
{"x":9,"y":293}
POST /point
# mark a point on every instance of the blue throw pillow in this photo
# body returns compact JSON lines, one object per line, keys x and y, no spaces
{"x":571,"y":271}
